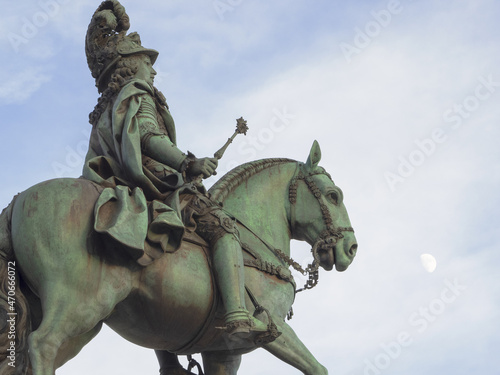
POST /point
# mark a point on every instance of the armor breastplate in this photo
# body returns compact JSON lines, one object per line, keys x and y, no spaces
{"x":151,"y":123}
{"x":150,"y":120}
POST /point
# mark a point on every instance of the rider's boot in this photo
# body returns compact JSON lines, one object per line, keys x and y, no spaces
{"x":229,"y":270}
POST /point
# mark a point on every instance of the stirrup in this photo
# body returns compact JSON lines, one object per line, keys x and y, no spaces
{"x":245,"y":325}
{"x":241,"y":325}
{"x":260,"y":334}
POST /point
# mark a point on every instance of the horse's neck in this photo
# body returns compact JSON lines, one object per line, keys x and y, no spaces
{"x":261,"y":203}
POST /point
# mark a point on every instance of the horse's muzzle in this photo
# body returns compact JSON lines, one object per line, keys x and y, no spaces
{"x":345,"y":251}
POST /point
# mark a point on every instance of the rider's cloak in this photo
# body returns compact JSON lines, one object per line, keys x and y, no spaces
{"x":134,"y":205}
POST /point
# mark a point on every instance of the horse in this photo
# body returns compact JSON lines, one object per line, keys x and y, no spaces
{"x":58,"y":285}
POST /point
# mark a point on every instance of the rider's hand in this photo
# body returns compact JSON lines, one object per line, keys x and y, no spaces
{"x":204,"y":166}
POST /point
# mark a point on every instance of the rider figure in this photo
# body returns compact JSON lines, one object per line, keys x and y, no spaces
{"x":133,"y":147}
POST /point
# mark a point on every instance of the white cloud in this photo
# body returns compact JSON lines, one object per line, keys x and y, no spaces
{"x":19,"y":87}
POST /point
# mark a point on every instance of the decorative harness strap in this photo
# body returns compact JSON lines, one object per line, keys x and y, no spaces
{"x":280,"y":271}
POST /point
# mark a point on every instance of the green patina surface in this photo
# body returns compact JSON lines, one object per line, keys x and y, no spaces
{"x":139,"y":243}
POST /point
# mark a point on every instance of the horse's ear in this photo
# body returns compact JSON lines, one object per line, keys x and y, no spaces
{"x":314,"y":156}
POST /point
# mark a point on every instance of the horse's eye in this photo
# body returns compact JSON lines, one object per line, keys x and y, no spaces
{"x":334,"y":196}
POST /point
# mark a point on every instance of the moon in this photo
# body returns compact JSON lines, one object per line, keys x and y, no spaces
{"x":428,"y":262}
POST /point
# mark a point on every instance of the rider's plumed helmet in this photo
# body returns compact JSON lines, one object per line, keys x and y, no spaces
{"x":107,"y":41}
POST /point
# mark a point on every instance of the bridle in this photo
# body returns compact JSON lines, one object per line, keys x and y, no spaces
{"x":328,"y":237}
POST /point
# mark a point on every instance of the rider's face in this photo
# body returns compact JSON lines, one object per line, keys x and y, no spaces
{"x":145,"y":70}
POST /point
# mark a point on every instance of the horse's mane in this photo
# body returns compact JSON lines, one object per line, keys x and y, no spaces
{"x":232,"y":179}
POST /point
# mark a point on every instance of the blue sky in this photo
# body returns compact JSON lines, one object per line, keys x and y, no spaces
{"x":408,"y":125}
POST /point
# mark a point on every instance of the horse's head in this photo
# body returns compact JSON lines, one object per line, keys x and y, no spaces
{"x":318,"y":215}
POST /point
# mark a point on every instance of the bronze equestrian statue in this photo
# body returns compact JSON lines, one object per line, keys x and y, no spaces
{"x":140,"y":244}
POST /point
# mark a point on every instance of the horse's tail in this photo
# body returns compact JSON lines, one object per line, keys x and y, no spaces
{"x":15,"y":321}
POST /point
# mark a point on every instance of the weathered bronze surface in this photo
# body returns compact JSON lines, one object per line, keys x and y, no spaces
{"x":139,"y":244}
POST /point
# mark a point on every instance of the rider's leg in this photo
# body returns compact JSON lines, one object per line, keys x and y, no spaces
{"x":229,"y":271}
{"x":220,"y":231}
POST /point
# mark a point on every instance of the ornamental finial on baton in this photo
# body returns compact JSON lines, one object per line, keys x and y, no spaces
{"x":241,"y":128}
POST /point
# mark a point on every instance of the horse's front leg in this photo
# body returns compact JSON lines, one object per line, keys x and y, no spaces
{"x":221,"y":363}
{"x":291,"y":350}
{"x":169,"y":364}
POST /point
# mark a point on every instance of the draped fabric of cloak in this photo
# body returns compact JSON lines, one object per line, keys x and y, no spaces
{"x":135,"y":204}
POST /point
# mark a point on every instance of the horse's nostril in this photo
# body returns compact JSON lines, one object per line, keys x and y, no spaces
{"x":353,"y":249}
